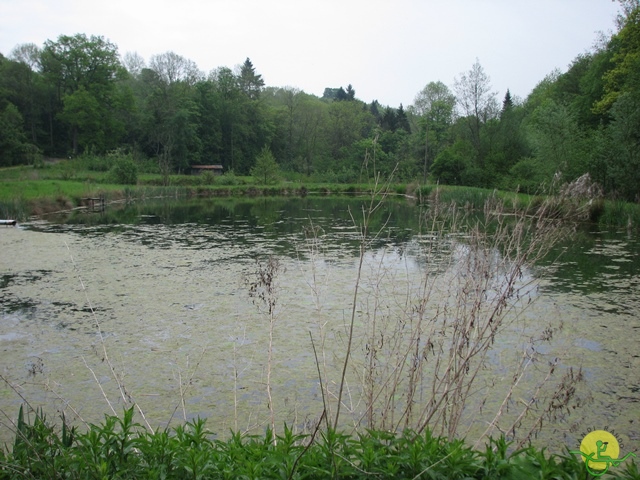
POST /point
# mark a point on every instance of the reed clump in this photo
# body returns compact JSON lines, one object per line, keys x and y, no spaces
{"x":424,"y":348}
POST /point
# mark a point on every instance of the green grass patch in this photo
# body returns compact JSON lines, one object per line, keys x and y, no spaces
{"x":30,"y":189}
{"x":619,"y":214}
{"x":27,"y":190}
{"x":467,"y":197}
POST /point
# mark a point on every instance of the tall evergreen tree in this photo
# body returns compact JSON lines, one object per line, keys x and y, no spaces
{"x":351,"y":93}
{"x":250,"y":82}
{"x":374,"y":108}
{"x":389,"y":119}
{"x":402,"y":120}
{"x":507,"y":103}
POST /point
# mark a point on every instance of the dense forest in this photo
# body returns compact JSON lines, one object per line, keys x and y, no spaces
{"x":78,"y":96}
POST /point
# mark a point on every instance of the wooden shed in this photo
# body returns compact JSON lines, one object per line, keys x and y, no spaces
{"x":199,"y":169}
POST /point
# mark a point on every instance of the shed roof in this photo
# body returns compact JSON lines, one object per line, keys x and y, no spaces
{"x":207,"y":167}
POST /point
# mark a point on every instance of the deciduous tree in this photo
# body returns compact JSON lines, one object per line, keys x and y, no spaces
{"x":27,"y":53}
{"x":434,"y":106}
{"x":625,"y":49}
{"x":13,"y":142}
{"x":173,"y":68}
{"x":557,"y":141}
{"x":90,"y":64}
{"x":477,"y":103}
{"x":133,"y":63}
{"x":266,"y":169}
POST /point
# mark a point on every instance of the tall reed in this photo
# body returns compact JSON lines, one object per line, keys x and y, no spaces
{"x":424,"y":361}
{"x":264,"y":290}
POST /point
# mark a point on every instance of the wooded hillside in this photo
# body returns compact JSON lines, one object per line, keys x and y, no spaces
{"x":77,"y":95}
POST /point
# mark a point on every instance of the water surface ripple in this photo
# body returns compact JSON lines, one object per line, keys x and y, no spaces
{"x":165,"y":296}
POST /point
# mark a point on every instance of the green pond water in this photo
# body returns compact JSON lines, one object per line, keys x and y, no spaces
{"x":161,"y":292}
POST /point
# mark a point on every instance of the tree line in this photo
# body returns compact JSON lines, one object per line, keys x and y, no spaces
{"x":77,"y":95}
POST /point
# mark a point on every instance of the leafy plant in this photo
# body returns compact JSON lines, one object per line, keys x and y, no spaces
{"x":208,"y":178}
{"x":266,"y":169}
{"x":121,"y":448}
{"x":124,"y":171}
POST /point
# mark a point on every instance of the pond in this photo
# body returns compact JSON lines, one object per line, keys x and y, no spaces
{"x":162,"y":304}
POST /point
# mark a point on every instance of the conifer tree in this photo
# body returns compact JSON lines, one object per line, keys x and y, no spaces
{"x":250,"y":82}
{"x":401,"y":119}
{"x":507,"y":103}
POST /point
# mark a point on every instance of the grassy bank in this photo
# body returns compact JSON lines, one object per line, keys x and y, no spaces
{"x":121,"y":448}
{"x":600,"y":212}
{"x":27,"y":191}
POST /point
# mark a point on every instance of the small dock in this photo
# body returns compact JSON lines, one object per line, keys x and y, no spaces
{"x":8,"y":223}
{"x":94,"y":204}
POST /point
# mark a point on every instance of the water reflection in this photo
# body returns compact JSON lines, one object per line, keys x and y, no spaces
{"x":166,"y":282}
{"x":284,"y":223}
{"x":602,"y":268}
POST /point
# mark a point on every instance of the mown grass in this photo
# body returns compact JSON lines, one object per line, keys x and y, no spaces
{"x":121,"y":448}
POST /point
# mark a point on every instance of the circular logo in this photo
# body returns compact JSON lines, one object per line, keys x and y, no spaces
{"x":599,"y":444}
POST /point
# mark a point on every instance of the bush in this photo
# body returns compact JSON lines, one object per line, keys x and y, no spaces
{"x":207,"y":178}
{"x":228,"y":178}
{"x":124,"y":171}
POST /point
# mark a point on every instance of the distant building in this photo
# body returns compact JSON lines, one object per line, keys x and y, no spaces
{"x":199,"y":169}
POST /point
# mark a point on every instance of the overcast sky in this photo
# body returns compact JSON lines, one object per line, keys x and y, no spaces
{"x":387,"y":49}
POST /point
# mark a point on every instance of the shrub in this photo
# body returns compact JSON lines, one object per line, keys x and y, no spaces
{"x":208,"y":178}
{"x":124,"y":171}
{"x":229,"y":178}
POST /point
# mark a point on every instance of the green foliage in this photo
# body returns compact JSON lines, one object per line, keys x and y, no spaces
{"x":81,"y":111}
{"x":453,"y":165}
{"x":529,"y":175}
{"x":266,"y":170}
{"x":623,"y":76}
{"x":619,"y":214}
{"x":207,"y":178}
{"x":89,"y":161}
{"x":250,"y":82}
{"x":14,"y":148}
{"x":343,"y":175}
{"x":229,"y":178}
{"x":124,"y":171}
{"x":82,"y":73}
{"x":120,"y":448}
{"x":74,"y":96}
{"x":620,"y":160}
{"x":558,"y":142}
